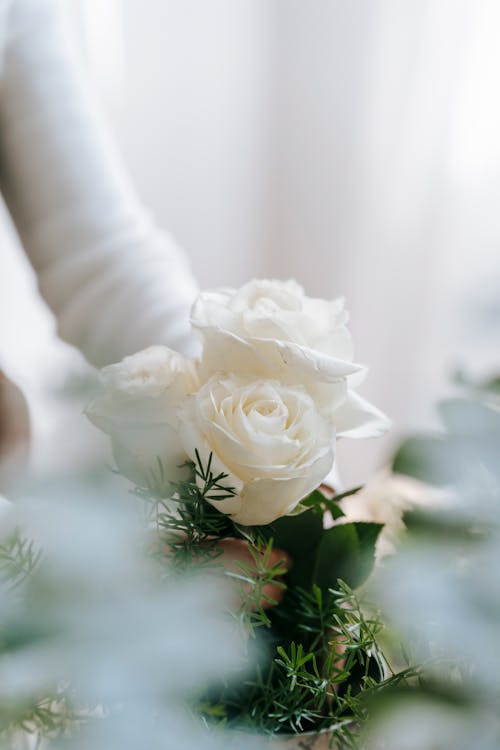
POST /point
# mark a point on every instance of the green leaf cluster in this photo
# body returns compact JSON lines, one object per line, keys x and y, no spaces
{"x":466,"y":447}
{"x":320,"y":652}
{"x":48,"y":713}
{"x":441,"y":588}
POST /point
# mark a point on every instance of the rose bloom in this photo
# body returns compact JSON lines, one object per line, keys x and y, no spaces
{"x":271,"y":329}
{"x":137,"y":408}
{"x":269,"y":438}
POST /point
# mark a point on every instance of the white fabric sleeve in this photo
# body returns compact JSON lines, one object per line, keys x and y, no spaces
{"x":114,"y":281}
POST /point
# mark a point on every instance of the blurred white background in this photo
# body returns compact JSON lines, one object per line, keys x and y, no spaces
{"x":352,"y":145}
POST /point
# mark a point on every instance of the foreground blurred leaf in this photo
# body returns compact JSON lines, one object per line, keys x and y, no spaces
{"x":470,"y":418}
{"x":436,"y":460}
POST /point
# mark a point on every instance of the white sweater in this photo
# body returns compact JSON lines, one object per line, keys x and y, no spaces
{"x":114,"y":281}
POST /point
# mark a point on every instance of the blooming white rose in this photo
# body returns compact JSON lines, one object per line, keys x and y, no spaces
{"x":269,"y":438}
{"x":271,"y":329}
{"x":138,"y":409}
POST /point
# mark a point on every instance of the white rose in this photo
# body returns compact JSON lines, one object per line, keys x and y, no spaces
{"x":271,"y":329}
{"x":269,"y":438}
{"x":138,"y":409}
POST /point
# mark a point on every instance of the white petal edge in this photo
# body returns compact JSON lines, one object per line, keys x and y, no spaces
{"x":357,"y":418}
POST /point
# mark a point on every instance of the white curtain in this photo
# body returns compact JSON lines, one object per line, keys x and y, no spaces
{"x":387,"y":128}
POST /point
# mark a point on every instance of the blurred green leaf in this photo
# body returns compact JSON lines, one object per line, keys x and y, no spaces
{"x":492,"y":385}
{"x":470,"y":418}
{"x":436,"y":460}
{"x":441,"y":527}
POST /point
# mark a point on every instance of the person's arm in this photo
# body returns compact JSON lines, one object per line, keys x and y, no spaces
{"x":115,"y":283}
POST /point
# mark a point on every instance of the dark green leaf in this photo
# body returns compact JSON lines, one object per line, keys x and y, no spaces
{"x":299,"y":536}
{"x":317,"y":502}
{"x":348,"y":493}
{"x":320,"y":503}
{"x":345,"y":551}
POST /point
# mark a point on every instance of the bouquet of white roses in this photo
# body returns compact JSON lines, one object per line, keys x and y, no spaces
{"x":267,"y":399}
{"x":235,"y":445}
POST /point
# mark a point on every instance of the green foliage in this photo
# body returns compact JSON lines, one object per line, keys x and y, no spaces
{"x":253,"y":580}
{"x":431,"y":459}
{"x":486,"y":387}
{"x":319,"y":650}
{"x":48,"y":716}
{"x":188,"y":527}
{"x":320,"y":676}
{"x":441,"y":588}
{"x":299,"y":536}
{"x":18,"y":559}
{"x":322,"y":556}
{"x":40,"y":715}
{"x":469,"y":442}
{"x":345,"y":552}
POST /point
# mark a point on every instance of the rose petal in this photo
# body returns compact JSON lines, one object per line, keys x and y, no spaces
{"x":193,"y":442}
{"x":312,"y":362}
{"x":265,"y":500}
{"x":147,"y":453}
{"x":357,"y":418}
